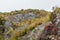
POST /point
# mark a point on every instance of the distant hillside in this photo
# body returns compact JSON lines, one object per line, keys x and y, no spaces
{"x":22,"y":22}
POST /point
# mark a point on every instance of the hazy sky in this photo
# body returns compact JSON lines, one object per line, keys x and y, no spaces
{"x":9,"y":5}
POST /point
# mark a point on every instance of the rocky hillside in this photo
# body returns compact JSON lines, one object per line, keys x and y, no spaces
{"x":25,"y":24}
